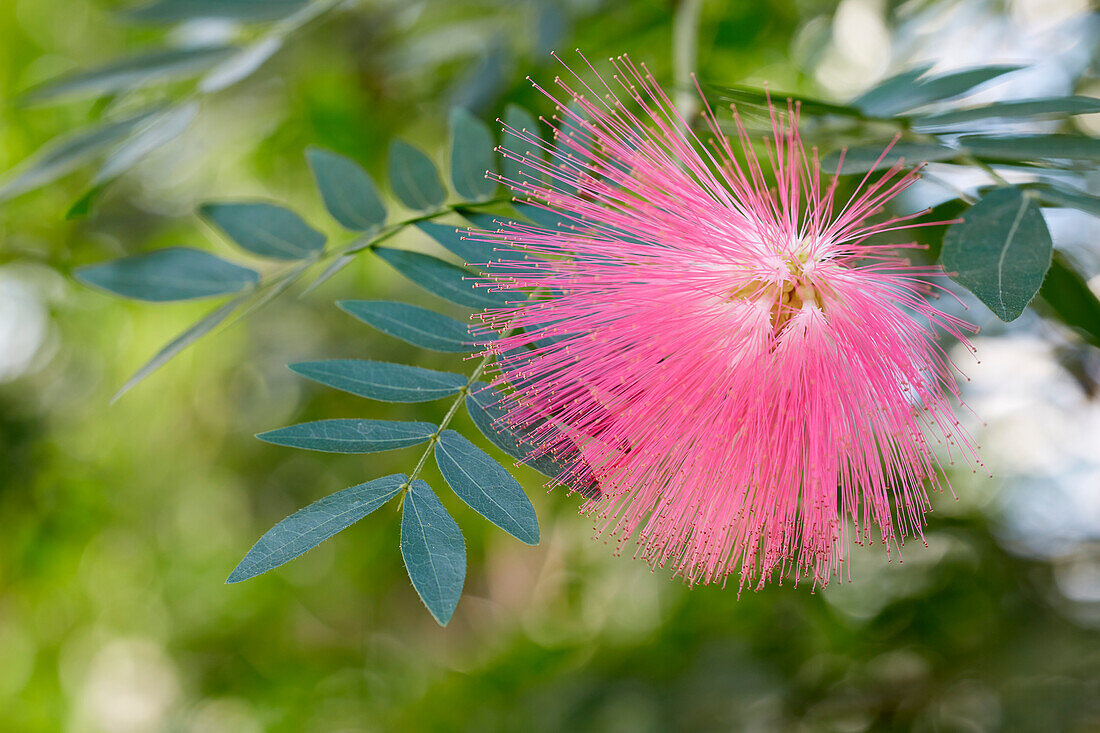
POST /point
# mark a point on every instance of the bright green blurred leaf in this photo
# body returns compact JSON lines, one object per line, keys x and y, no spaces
{"x":158,"y":131}
{"x":67,"y":153}
{"x":133,"y":72}
{"x":171,"y":11}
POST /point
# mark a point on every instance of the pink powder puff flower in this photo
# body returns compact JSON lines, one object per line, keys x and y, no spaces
{"x":750,"y":384}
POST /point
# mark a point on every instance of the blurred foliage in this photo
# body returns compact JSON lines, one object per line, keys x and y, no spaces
{"x":122,"y":523}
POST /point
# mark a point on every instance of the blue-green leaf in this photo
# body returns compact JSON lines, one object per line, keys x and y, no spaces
{"x":380,"y":380}
{"x":65,"y":154}
{"x":158,"y":131}
{"x":890,"y":94}
{"x":351,"y":435}
{"x":433,"y":550}
{"x":1033,"y":147}
{"x":171,"y":11}
{"x":193,"y":333}
{"x":306,"y":528}
{"x":414,"y":178}
{"x":544,"y":217}
{"x":1000,"y":251}
{"x":1044,"y":107}
{"x":133,"y":72}
{"x":483,"y":404}
{"x":472,"y":156}
{"x":173,"y":273}
{"x":418,"y":326}
{"x":1066,"y":196}
{"x":448,"y":281}
{"x":864,"y":159}
{"x":454,"y":240}
{"x":241,"y":65}
{"x":348,"y":192}
{"x":486,"y":486}
{"x":1067,"y":294}
{"x":911,"y":89}
{"x":266,"y":229}
{"x":518,"y":118}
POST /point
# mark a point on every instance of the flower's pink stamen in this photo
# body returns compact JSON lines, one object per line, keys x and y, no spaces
{"x":751,"y":385}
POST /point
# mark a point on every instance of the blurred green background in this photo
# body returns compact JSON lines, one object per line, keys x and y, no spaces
{"x":121,"y":522}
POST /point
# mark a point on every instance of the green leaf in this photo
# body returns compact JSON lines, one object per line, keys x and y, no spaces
{"x":306,"y":528}
{"x":1032,"y":147}
{"x":445,"y":280}
{"x":933,"y":235}
{"x":433,"y":550}
{"x":472,"y":156}
{"x":65,"y":154}
{"x":134,"y":72}
{"x":954,"y":84}
{"x":910,"y":89}
{"x":171,"y":11}
{"x":380,"y":380}
{"x":890,"y":94}
{"x":192,"y":334}
{"x":1068,"y":295}
{"x":864,"y":159}
{"x":348,"y":192}
{"x":520,"y":119}
{"x":158,"y":131}
{"x":486,"y":486}
{"x":173,"y":273}
{"x":545,"y":218}
{"x":266,"y":229}
{"x":1045,"y":107}
{"x":1052,"y":195}
{"x":241,"y":65}
{"x":351,"y":435}
{"x":414,"y":178}
{"x":483,"y":405}
{"x":572,"y":144}
{"x":454,"y":240}
{"x":1000,"y":251}
{"x":417,"y":326}
{"x":752,"y":97}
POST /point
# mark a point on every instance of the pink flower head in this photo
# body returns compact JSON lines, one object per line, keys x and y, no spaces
{"x":748,"y":382}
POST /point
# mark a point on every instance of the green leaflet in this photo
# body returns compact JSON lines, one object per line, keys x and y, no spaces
{"x":1000,"y":251}
{"x":308,"y":527}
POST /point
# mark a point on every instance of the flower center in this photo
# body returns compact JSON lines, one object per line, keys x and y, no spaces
{"x":787,"y":295}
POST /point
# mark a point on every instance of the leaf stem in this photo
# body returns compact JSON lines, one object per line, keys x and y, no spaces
{"x":445,"y":422}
